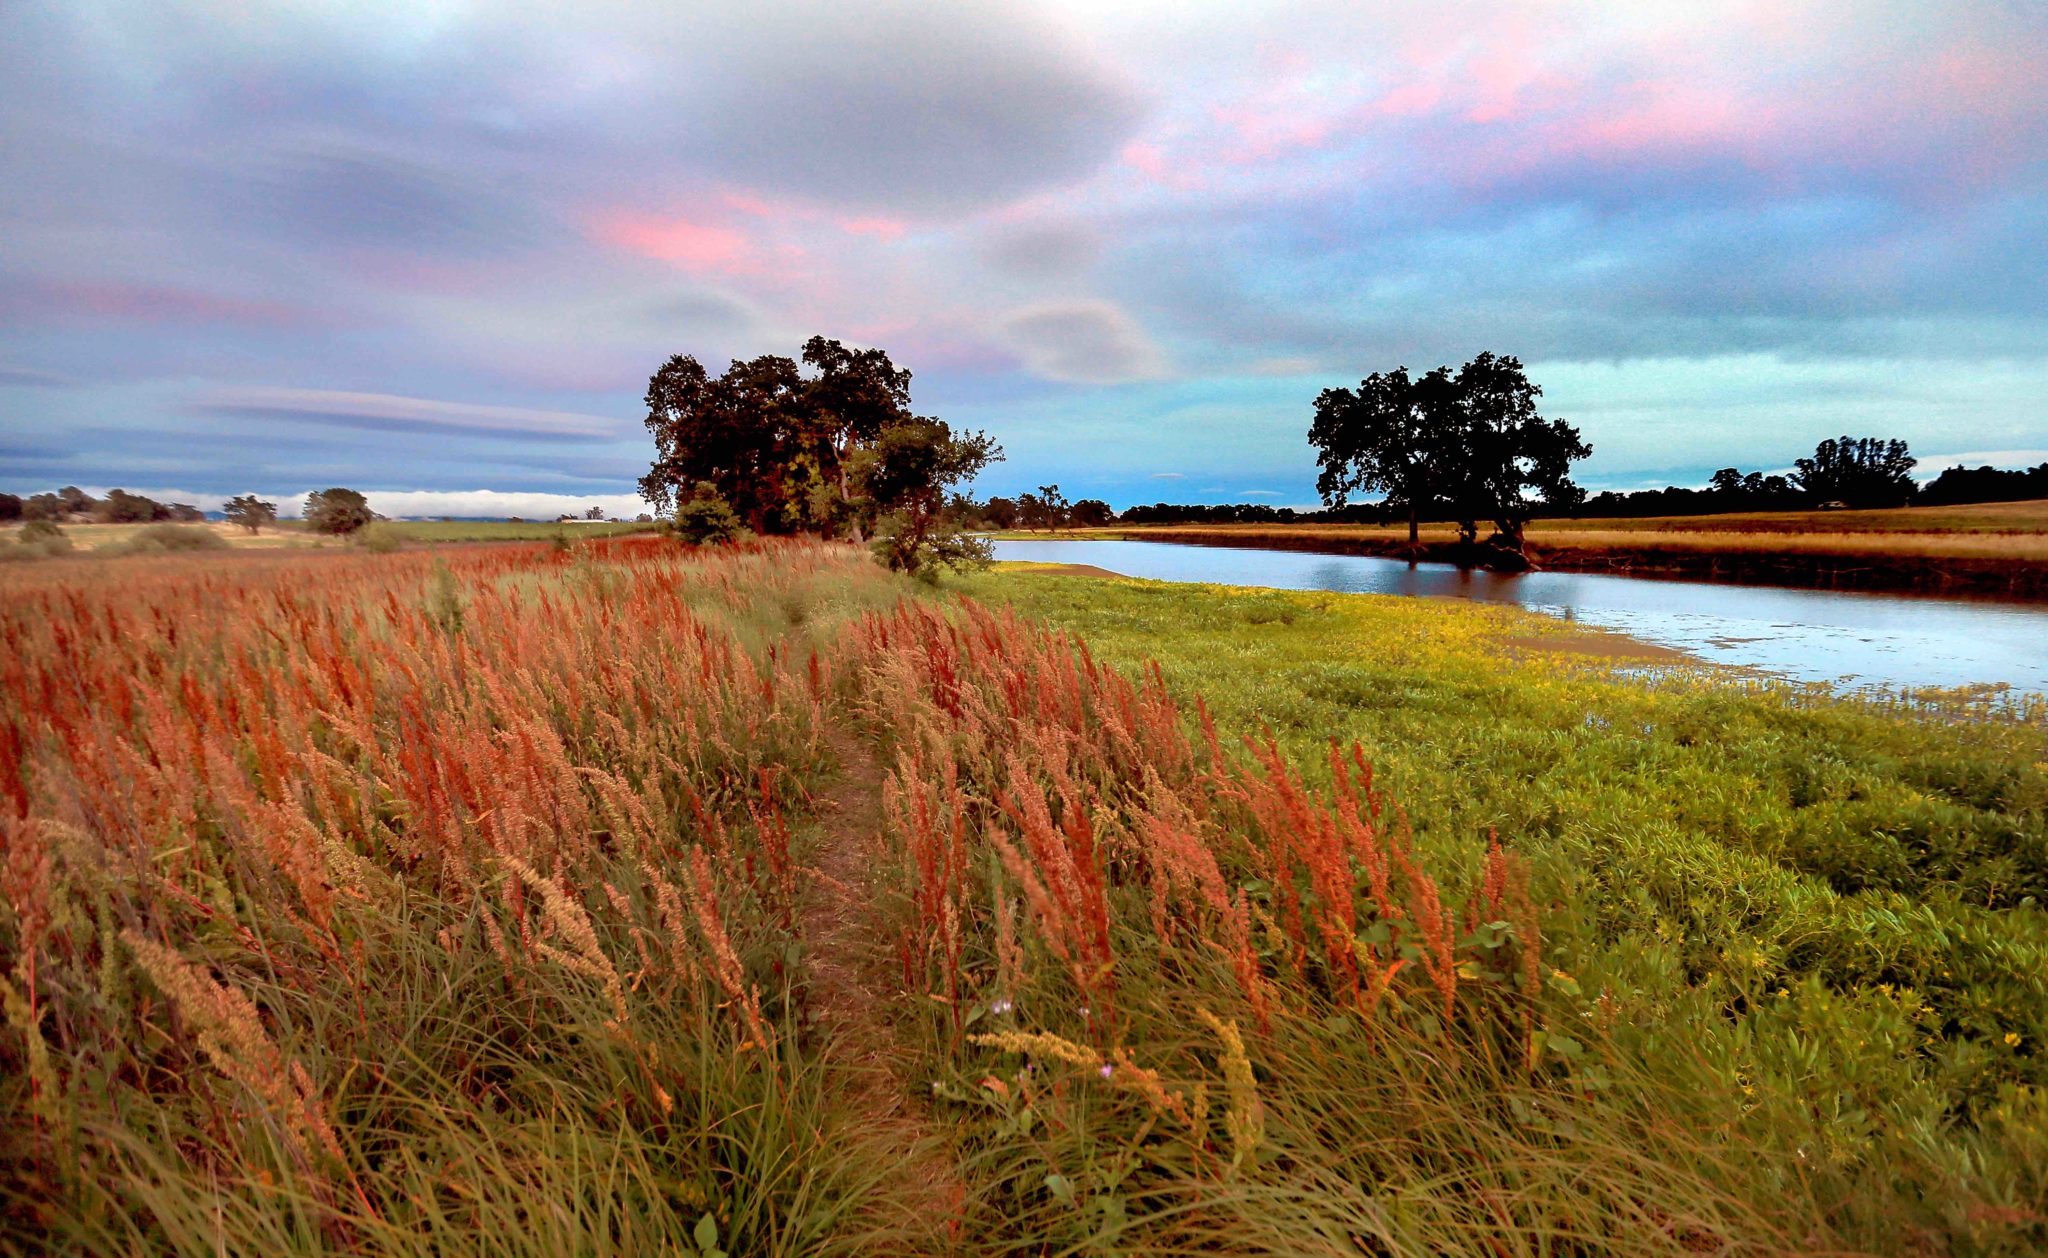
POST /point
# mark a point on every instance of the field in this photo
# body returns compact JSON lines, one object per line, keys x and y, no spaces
{"x":507,"y":531}
{"x":1998,"y":549}
{"x":626,"y":898}
{"x":91,"y":537}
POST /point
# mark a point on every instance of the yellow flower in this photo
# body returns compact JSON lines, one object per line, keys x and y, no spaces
{"x":2012,"y":1039}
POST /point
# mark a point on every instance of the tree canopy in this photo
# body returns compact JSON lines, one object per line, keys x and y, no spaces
{"x":772,"y":440}
{"x":827,"y":445}
{"x":337,"y":511}
{"x":1859,"y":472}
{"x":1471,"y":443}
{"x":249,"y":511}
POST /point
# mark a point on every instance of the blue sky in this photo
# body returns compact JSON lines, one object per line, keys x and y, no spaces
{"x":434,"y":250}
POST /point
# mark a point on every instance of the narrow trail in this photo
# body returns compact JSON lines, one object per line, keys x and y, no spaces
{"x":851,"y":989}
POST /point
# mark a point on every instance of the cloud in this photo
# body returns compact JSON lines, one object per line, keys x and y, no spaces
{"x":1044,"y":250}
{"x":407,"y":414}
{"x":30,"y":378}
{"x":1169,"y":476}
{"x":898,"y":106}
{"x":1082,"y":342}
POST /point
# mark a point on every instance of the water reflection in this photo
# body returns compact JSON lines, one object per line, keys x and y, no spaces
{"x":1808,"y":635}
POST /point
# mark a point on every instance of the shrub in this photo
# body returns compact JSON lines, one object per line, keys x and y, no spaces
{"x":707,"y":519}
{"x":38,"y":539}
{"x":164,"y":539}
{"x":378,"y":539}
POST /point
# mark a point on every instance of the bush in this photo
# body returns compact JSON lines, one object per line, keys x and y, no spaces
{"x":378,"y":539}
{"x":164,"y":539}
{"x":38,"y":539}
{"x":707,"y":519}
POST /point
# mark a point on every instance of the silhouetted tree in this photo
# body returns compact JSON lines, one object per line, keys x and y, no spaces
{"x":249,"y":511}
{"x":1859,"y":471}
{"x":10,"y":507}
{"x":1090,"y":513}
{"x":76,"y":501}
{"x":337,"y":511}
{"x":1959,"y":484}
{"x":1505,"y":451}
{"x":1394,"y":436}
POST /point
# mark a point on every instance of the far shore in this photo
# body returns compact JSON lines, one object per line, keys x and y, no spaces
{"x":1997,"y":550}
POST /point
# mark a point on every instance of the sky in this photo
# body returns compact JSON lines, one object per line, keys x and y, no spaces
{"x":434,"y":250}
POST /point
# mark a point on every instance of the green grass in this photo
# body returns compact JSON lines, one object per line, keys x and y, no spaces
{"x":1813,"y":926}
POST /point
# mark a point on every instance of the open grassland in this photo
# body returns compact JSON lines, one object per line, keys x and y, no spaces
{"x":92,"y":537}
{"x":1993,"y":549}
{"x":510,"y":531}
{"x":633,"y":899}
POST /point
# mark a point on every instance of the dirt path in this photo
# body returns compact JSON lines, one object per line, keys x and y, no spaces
{"x":853,"y":985}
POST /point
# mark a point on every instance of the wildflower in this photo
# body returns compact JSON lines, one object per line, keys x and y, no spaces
{"x":2012,"y":1039}
{"x":1000,"y":1007}
{"x":1108,"y":1069}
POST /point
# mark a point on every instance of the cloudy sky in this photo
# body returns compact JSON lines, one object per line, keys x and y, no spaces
{"x":436,"y":248}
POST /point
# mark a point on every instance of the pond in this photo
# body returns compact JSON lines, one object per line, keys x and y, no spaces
{"x":1845,"y":639}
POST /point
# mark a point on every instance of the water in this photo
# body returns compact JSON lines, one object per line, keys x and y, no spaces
{"x":1845,"y":639}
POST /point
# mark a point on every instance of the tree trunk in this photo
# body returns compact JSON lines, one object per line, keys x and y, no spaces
{"x":1414,"y":526}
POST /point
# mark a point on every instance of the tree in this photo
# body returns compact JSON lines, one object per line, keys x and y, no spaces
{"x":907,"y":473}
{"x":1001,"y":513}
{"x":249,"y":512}
{"x":337,"y":511}
{"x":1053,"y":507}
{"x":1091,"y":513}
{"x":122,"y":507}
{"x":1393,"y":437}
{"x":774,"y":442}
{"x":76,"y":501}
{"x":10,"y":507}
{"x":1506,"y":450}
{"x":595,"y":513}
{"x":1860,"y":471}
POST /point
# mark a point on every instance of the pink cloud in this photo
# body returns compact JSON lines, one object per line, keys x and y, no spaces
{"x":693,"y":246}
{"x":882,"y":228}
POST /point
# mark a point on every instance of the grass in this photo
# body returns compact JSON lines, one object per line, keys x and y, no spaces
{"x":507,"y":531}
{"x":94,"y":537}
{"x":421,"y":902}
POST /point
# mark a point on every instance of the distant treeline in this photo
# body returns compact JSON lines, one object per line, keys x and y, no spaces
{"x":73,"y":505}
{"x":1730,"y":490}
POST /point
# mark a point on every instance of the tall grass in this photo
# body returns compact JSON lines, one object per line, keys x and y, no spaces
{"x":417,"y":903}
{"x":367,"y":903}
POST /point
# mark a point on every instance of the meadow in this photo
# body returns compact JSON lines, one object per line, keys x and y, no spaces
{"x":624,"y":897}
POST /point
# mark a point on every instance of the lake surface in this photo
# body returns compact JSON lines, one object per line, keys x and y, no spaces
{"x":1845,"y":639}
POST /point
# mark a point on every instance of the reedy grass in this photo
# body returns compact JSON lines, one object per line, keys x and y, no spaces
{"x":506,"y":849}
